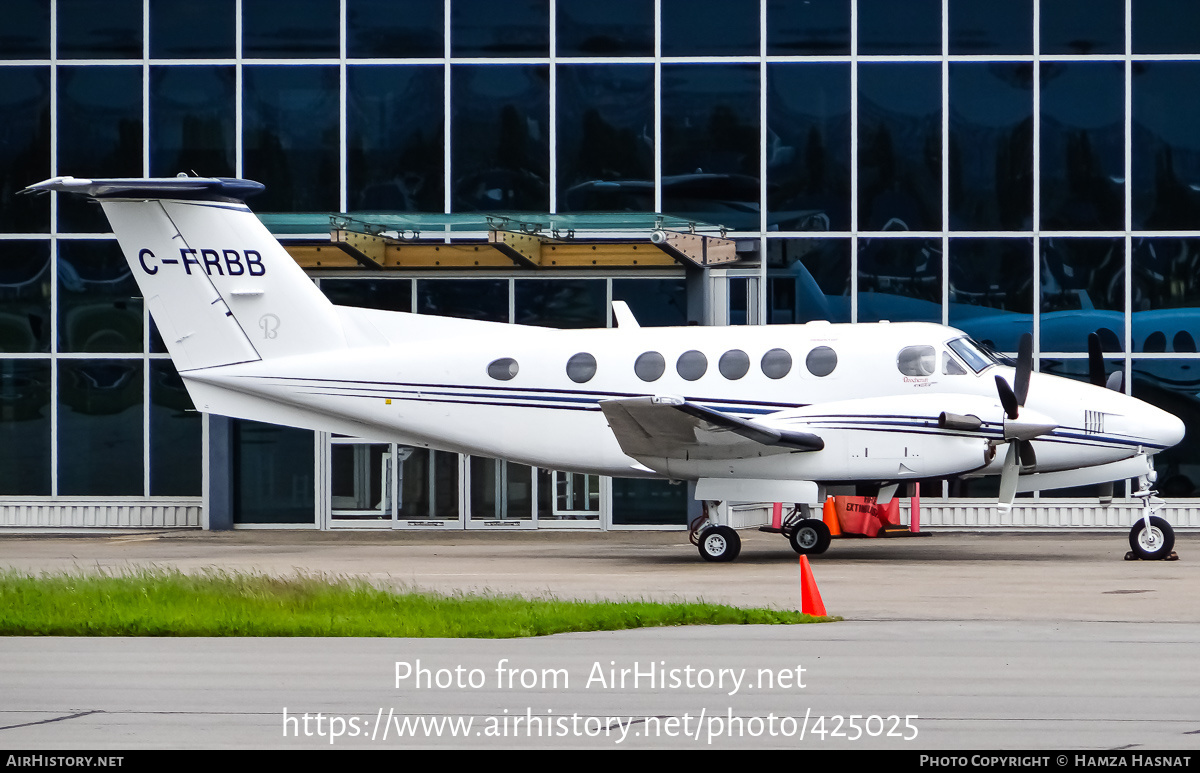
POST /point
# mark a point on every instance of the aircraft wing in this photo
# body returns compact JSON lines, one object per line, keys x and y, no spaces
{"x":670,"y":427}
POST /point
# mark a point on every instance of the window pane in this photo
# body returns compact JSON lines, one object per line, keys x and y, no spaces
{"x":175,"y":435}
{"x":809,"y":280}
{"x":395,"y":138}
{"x":1166,"y":148}
{"x":561,"y":303}
{"x":1171,"y":384}
{"x":900,"y":147}
{"x":428,"y":484}
{"x":488,"y":28}
{"x":291,"y":134}
{"x":654,"y":302}
{"x":99,"y":303}
{"x":501,"y":143}
{"x":26,"y":31}
{"x":710,"y":143}
{"x":1165,"y":27}
{"x":888,"y":27}
{"x":991,"y":289}
{"x":648,"y":502}
{"x":991,"y":146}
{"x":108,"y":30}
{"x":290,"y":28}
{"x":899,"y":279}
{"x":272,"y":474}
{"x":386,"y":294}
{"x":185,"y":29}
{"x":100,"y":427}
{"x":1084,"y":27}
{"x":24,"y":296}
{"x":817,"y":27}
{"x":1083,"y":145}
{"x":988,"y":27}
{"x":1165,"y":278}
{"x":485,"y":299}
{"x":709,"y":28}
{"x":612,"y":28}
{"x":1083,"y":290}
{"x":192,"y":121}
{"x":808,"y":152}
{"x":24,"y":147}
{"x":606,"y":138}
{"x":25,"y":427}
{"x":394,"y":28}
{"x":99,"y":134}
{"x":500,"y":490}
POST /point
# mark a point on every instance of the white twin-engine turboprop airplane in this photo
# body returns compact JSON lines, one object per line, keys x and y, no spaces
{"x":766,"y":413}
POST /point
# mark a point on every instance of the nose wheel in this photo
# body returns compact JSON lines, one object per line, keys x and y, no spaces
{"x":1152,"y":543}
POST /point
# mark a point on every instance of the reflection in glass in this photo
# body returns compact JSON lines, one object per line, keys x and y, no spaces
{"x":99,"y":134}
{"x":991,"y":290}
{"x":488,"y":28}
{"x":816,"y":283}
{"x":485,"y":299}
{"x":100,"y":427}
{"x":182,"y":29}
{"x":24,"y":296}
{"x":818,"y":27}
{"x":988,"y":27}
{"x":612,"y":28}
{"x":709,"y":28}
{"x":605,"y":137}
{"x":428,"y":484}
{"x":1165,"y":27}
{"x":386,"y":294}
{"x":1083,"y":290}
{"x":360,"y":481}
{"x":25,"y":427}
{"x":1083,"y":145}
{"x":394,"y":123}
{"x":192,"y":121}
{"x":991,"y":146}
{"x":290,"y":129}
{"x":1165,"y":290}
{"x":500,"y":490}
{"x":561,"y":303}
{"x":648,"y":502}
{"x":808,"y":146}
{"x":394,"y":29}
{"x":1173,"y":385}
{"x":175,"y":435}
{"x":272,"y":474}
{"x":888,"y":27}
{"x":26,"y":32}
{"x":654,"y":302}
{"x":1166,"y":147}
{"x":900,"y":147}
{"x":91,"y":30}
{"x":25,"y":148}
{"x":1083,"y":27}
{"x":290,"y":28}
{"x":710,"y":143}
{"x":99,"y":304}
{"x":899,"y":279}
{"x":500,"y":143}
{"x":568,"y":496}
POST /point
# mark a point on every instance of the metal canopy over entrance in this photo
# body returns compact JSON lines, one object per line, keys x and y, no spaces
{"x":380,"y":240}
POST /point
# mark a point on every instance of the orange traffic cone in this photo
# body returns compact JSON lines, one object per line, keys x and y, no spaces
{"x":829,"y":516}
{"x":810,"y":597}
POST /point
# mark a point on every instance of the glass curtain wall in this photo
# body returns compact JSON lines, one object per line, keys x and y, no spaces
{"x":1026,"y":166}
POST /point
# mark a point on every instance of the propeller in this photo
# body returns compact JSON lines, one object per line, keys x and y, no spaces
{"x":1018,"y":431}
{"x":1114,"y":381}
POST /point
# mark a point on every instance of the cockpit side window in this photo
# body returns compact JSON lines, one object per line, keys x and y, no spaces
{"x":976,"y":358}
{"x":950,"y":366}
{"x":917,"y":360}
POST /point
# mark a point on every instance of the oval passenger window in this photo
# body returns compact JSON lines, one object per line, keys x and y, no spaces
{"x":581,"y":367}
{"x":691,"y":365}
{"x":649,"y":366}
{"x":503,"y":369}
{"x":734,"y":364}
{"x":821,"y":361}
{"x":776,"y":363}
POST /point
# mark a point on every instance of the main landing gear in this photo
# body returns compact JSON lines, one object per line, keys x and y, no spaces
{"x":716,"y":542}
{"x":1151,"y":538}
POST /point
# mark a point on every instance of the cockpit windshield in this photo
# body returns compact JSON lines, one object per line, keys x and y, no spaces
{"x":976,"y":355}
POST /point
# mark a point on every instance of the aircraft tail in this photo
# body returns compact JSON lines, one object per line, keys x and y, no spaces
{"x":220,"y":287}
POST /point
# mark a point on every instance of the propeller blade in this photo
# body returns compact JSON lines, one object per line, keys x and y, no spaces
{"x":1026,"y":456}
{"x":1007,"y":398}
{"x":1106,"y":493}
{"x":1024,"y":368}
{"x":1008,"y":477}
{"x":1095,"y":360}
{"x":1116,"y":381}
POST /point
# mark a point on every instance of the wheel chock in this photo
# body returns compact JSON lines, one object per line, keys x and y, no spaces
{"x":810,"y":597}
{"x":1131,"y":556}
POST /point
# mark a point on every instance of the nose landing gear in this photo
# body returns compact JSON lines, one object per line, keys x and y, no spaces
{"x":1151,"y":538}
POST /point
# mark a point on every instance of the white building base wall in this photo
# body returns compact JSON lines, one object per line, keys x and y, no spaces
{"x":182,"y":513}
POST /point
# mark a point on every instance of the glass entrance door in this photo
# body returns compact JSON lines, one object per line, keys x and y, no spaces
{"x":384,"y":485}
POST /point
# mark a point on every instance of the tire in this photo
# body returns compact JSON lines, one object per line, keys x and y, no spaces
{"x":1155,"y":545}
{"x":811,"y":537}
{"x":719,"y":544}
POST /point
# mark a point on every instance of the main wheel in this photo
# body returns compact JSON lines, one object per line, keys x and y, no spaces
{"x":1153,"y":543}
{"x":810,"y":536}
{"x":719,"y":543}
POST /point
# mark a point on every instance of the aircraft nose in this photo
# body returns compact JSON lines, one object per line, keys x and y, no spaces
{"x":1164,"y":428}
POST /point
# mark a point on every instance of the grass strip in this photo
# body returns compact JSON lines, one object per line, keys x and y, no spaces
{"x":167,"y":602}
